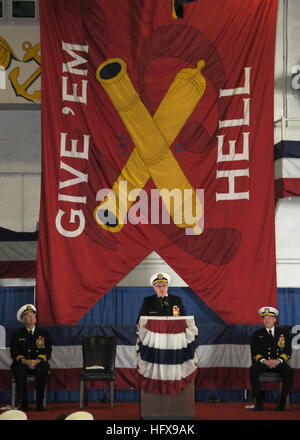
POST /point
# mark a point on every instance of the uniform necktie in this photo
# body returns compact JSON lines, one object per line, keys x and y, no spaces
{"x":164,"y":303}
{"x":270,"y":332}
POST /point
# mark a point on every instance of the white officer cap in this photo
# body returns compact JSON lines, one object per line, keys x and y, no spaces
{"x":23,"y":310}
{"x":268,"y":311}
{"x":80,"y":415}
{"x":160,"y":277}
{"x":13,"y":414}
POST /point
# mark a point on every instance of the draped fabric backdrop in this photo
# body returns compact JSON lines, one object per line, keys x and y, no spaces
{"x":184,"y":104}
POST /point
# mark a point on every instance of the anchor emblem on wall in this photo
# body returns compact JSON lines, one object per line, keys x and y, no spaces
{"x":31,"y":54}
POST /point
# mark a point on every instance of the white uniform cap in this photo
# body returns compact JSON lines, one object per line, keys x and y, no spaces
{"x":268,"y":311}
{"x":23,"y":310}
{"x":160,"y":277}
{"x":13,"y":414}
{"x":80,"y":415}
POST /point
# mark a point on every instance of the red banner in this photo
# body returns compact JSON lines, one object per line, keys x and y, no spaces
{"x":139,"y":111}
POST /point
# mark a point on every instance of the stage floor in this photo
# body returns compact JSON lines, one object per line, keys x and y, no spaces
{"x":131,"y":411}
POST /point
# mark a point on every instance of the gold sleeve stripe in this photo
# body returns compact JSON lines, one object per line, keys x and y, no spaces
{"x":42,"y":356}
{"x":19,"y":357}
{"x":258,"y":356}
{"x":284,"y":356}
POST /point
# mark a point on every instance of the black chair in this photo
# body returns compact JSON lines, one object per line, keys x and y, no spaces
{"x":29,"y":379}
{"x":271,"y":377}
{"x":99,"y":355}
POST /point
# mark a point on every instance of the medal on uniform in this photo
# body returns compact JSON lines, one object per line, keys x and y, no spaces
{"x":175,"y":311}
{"x":40,"y":342}
{"x":281,"y":341}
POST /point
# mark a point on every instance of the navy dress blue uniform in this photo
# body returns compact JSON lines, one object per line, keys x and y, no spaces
{"x":26,"y":346}
{"x":264,"y":346}
{"x":161,"y":305}
{"x":155,"y":306}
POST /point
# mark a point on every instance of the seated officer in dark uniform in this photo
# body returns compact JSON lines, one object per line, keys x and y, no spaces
{"x":271,"y":349}
{"x":162,"y":303}
{"x":30,"y":350}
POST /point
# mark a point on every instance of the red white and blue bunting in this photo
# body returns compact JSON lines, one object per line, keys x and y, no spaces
{"x":167,"y":360}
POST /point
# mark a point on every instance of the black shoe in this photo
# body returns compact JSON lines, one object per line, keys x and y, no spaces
{"x":24,"y":405}
{"x":258,"y":405}
{"x":280,"y":406}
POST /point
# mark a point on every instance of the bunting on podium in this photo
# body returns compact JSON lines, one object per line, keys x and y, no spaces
{"x":167,"y":360}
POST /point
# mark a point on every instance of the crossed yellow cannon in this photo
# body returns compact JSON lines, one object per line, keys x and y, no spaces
{"x":152,"y":137}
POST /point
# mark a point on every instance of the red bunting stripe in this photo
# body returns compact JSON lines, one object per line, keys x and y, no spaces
{"x":172,"y":326}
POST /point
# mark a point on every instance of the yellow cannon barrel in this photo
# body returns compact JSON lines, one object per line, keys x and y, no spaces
{"x":152,"y":138}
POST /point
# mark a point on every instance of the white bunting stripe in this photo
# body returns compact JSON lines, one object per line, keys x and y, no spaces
{"x":166,"y":371}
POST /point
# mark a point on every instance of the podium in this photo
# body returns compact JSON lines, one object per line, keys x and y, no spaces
{"x":167,"y":366}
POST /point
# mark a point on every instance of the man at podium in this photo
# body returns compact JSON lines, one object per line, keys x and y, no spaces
{"x":166,"y":357}
{"x":162,"y":303}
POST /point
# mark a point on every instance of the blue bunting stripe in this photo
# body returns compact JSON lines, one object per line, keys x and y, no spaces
{"x":287,"y":149}
{"x":166,"y":356}
{"x":9,"y":235}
